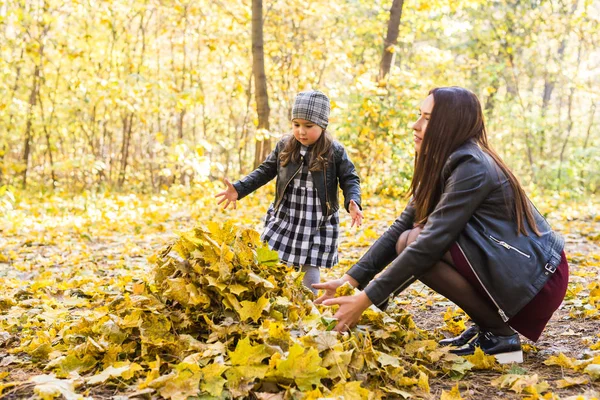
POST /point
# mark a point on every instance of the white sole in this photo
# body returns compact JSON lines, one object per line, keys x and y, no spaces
{"x":512,"y":357}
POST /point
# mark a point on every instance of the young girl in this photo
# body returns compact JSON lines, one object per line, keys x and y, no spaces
{"x":302,"y":223}
{"x":469,"y":232}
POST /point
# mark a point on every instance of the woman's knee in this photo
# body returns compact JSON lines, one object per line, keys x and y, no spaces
{"x":406,"y":238}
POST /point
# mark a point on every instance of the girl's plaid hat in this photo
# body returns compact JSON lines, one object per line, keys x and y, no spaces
{"x":312,"y":106}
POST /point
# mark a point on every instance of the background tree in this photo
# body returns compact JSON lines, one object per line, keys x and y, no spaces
{"x":391,"y":38}
{"x":263,"y":142}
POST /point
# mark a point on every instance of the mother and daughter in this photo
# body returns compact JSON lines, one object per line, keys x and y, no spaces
{"x":469,"y":232}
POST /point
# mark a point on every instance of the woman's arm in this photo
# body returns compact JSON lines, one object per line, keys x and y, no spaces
{"x":383,"y":251}
{"x":466,"y":188}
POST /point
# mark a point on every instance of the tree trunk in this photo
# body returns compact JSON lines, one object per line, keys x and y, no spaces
{"x":490,"y":102}
{"x":391,"y":39}
{"x":32,"y":102}
{"x":569,"y":114}
{"x":263,"y":142}
{"x":47,"y":132}
{"x":127,"y":127}
{"x":550,"y":79}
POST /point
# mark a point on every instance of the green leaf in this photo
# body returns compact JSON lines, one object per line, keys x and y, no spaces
{"x":267,"y":256}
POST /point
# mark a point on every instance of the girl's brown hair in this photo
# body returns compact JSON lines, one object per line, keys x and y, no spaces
{"x":320,"y":152}
{"x":456,"y":118}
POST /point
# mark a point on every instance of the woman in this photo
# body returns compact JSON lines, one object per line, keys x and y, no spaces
{"x":469,"y":232}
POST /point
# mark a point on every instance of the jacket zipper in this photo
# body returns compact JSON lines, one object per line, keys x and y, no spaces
{"x":326,"y":199}
{"x":508,"y":246}
{"x":325,"y":184}
{"x":397,"y":289}
{"x":500,"y":311}
{"x":288,"y":182}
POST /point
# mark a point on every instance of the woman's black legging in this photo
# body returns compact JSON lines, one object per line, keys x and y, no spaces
{"x":445,"y":279}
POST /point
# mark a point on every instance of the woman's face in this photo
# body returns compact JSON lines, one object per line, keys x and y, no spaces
{"x":420,"y":125}
{"x":306,"y":132}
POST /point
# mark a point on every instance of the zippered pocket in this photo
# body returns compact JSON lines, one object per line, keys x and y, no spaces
{"x":508,"y":246}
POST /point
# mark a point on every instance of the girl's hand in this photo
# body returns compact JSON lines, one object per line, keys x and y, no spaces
{"x":351,"y":308}
{"x":230,"y":194}
{"x":356,"y":214}
{"x":330,"y":287}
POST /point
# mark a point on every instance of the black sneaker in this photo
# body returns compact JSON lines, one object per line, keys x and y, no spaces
{"x":461,"y":339}
{"x":506,"y":349}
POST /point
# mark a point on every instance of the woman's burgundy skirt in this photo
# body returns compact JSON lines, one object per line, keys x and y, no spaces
{"x":531,"y":320}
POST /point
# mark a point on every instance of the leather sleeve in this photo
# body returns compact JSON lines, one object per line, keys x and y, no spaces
{"x":467,"y":186}
{"x":349,"y":180}
{"x":260,"y":176}
{"x":383,"y":251}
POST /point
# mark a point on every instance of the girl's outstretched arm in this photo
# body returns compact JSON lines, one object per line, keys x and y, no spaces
{"x":348,"y":178}
{"x":356,"y":214}
{"x":261,"y":175}
{"x":230,"y":195}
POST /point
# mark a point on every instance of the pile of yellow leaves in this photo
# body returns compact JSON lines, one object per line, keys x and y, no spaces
{"x":222,"y":318}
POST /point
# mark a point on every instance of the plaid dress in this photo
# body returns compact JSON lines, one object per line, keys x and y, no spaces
{"x":298,"y":230}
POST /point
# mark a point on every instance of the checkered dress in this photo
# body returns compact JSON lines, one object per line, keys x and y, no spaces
{"x":298,"y":230}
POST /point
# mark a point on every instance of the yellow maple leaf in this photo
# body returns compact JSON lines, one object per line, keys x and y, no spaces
{"x":277,"y":331}
{"x":303,"y":366}
{"x":480,"y":360}
{"x":48,"y":387}
{"x":212,"y":381}
{"x":247,"y":354}
{"x":247,"y":363}
{"x":337,"y":360}
{"x":516,"y":383}
{"x":64,"y":365}
{"x":125,"y":370}
{"x":561,"y":360}
{"x":572,"y":381}
{"x":453,"y":394}
{"x":344,"y":290}
{"x":349,"y":391}
{"x":593,"y":370}
{"x":180,"y":384}
{"x":253,"y":310}
{"x":237,"y":289}
{"x":423,"y":382}
{"x":419,"y":346}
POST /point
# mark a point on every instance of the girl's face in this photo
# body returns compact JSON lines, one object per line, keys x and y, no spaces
{"x":420,"y":125}
{"x":306,"y":132}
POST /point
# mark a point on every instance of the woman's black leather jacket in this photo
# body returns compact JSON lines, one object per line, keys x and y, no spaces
{"x":474,"y":212}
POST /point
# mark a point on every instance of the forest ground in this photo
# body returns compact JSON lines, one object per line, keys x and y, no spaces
{"x":59,"y":241}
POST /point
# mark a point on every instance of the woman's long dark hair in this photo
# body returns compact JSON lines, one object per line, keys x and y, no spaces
{"x":456,"y":118}
{"x":319,"y":154}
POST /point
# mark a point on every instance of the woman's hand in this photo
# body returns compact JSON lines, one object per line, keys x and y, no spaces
{"x":356,"y":214}
{"x":230,"y":194}
{"x":331,"y":286}
{"x":351,"y":308}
